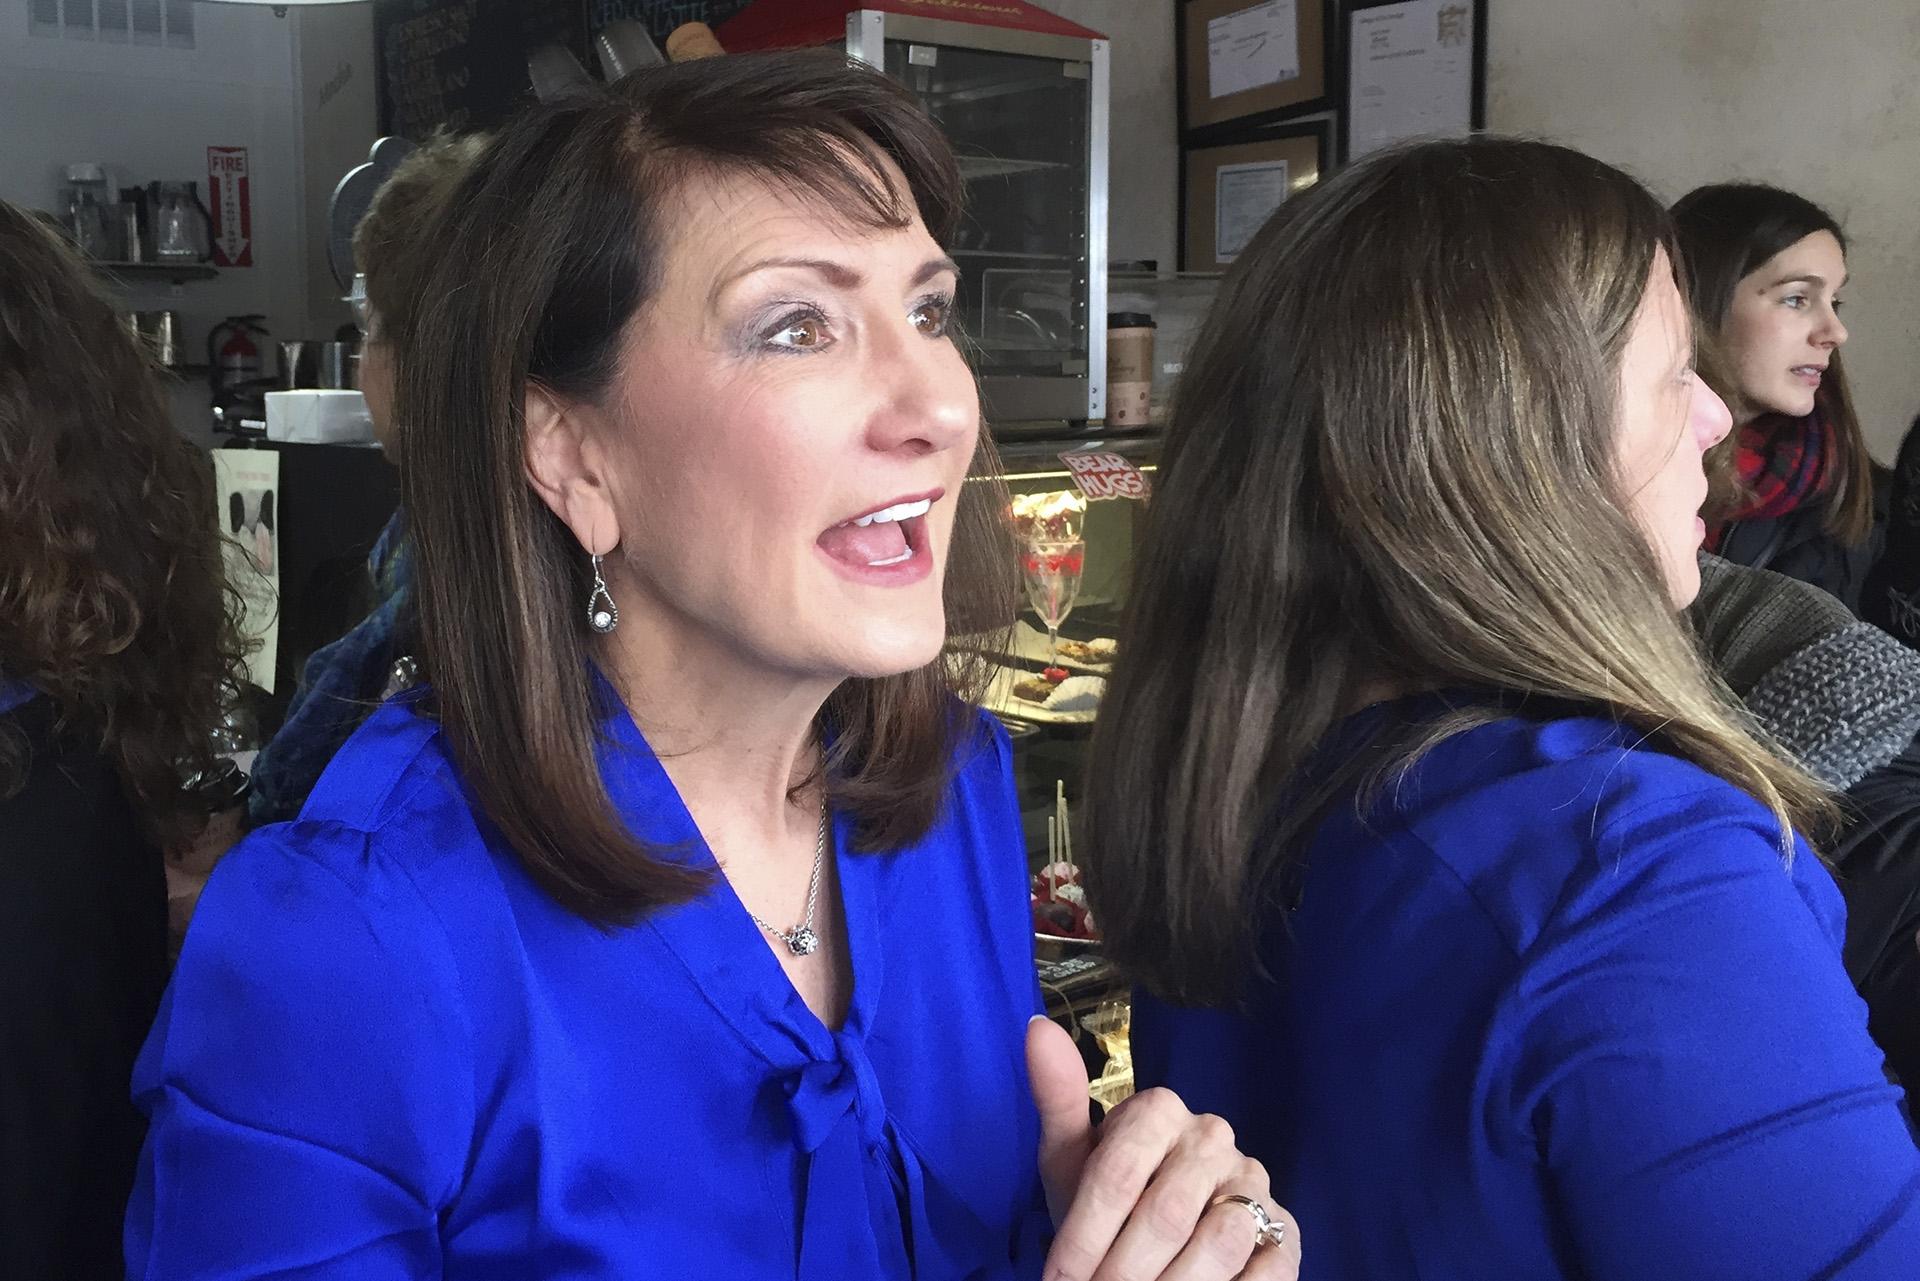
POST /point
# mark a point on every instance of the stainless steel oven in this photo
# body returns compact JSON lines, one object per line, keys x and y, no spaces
{"x":1027,"y":112}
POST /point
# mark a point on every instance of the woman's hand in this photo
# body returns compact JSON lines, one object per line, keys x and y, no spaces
{"x":1132,"y":1199}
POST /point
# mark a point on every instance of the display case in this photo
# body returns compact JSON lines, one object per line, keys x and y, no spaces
{"x":1066,"y":534}
{"x":1024,"y":104}
{"x":1050,"y":732}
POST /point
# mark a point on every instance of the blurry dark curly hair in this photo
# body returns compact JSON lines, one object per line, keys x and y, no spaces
{"x":113,"y":601}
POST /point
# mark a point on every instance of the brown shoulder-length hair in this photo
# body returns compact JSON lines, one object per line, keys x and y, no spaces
{"x":1390,"y":466}
{"x":1726,"y":232}
{"x":113,"y":601}
{"x":549,"y":248}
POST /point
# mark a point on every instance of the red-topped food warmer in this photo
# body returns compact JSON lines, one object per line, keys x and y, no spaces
{"x":1022,"y":94}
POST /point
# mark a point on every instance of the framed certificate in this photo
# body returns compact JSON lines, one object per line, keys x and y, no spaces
{"x":1414,"y":68}
{"x":1242,"y":62}
{"x":1229,"y":188}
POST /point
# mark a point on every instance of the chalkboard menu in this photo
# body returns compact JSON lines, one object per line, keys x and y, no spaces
{"x":660,"y":17}
{"x":463,"y":63}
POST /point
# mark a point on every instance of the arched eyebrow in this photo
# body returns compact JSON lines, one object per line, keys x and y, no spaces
{"x":837,"y":274}
{"x":1818,"y":282}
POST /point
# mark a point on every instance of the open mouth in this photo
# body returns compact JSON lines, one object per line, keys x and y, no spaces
{"x":887,"y":537}
{"x":1809,"y":374}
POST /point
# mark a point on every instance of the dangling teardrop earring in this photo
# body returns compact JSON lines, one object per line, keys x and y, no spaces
{"x":602,"y":617}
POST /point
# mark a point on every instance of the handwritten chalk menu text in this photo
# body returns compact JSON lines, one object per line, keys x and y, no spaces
{"x":462,"y":64}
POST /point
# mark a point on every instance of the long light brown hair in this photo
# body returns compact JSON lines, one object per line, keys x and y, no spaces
{"x":549,"y":247}
{"x":1726,"y":232}
{"x":113,"y":602}
{"x":1391,"y":464}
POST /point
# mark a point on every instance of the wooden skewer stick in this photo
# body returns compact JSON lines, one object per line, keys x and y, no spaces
{"x":1060,"y":811}
{"x":1052,"y":850}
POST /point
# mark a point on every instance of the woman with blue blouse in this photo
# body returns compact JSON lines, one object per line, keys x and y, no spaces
{"x":1456,"y":882}
{"x":678,"y":927}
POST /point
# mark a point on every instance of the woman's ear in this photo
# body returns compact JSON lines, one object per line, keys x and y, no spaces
{"x":564,"y":464}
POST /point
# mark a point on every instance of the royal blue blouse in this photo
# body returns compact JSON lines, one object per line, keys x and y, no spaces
{"x":386,"y":1053}
{"x":1552,"y":1007}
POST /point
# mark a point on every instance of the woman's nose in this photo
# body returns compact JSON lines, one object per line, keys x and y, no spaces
{"x":1708,"y":415}
{"x":930,"y":402}
{"x":1832,"y":331}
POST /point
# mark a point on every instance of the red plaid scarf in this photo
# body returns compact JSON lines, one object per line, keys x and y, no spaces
{"x":1781,"y":462}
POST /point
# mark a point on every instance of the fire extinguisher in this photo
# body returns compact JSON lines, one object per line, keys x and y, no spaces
{"x":233,"y":358}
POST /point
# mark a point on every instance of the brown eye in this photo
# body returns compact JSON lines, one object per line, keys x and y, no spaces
{"x":801,"y":333}
{"x":930,"y":317}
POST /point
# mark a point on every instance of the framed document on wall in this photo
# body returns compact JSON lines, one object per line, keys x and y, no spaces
{"x":1242,"y":62}
{"x":1414,"y":68}
{"x":1229,"y":189}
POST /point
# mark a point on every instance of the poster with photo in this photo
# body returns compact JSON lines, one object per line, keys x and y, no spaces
{"x":247,"y":483}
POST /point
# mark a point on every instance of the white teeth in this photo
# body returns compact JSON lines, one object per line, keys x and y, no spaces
{"x":899,"y":511}
{"x":891,"y":560}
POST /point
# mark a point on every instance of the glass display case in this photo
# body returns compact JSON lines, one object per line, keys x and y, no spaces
{"x":1077,"y":558}
{"x":1093,"y":543}
{"x":1026,"y":112}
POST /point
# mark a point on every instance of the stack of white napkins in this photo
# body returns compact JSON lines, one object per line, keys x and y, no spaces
{"x":1076,"y":694}
{"x":319,"y":417}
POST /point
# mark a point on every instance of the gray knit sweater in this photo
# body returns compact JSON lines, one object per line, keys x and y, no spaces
{"x":1840,"y":696}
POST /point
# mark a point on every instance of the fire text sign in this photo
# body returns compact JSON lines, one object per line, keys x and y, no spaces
{"x":230,"y":198}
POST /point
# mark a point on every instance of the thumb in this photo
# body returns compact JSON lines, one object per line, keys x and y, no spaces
{"x":1058,"y":1079}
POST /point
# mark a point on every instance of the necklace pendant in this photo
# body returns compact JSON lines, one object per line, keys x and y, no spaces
{"x":802,"y":941}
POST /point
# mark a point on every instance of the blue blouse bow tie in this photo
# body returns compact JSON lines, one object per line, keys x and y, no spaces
{"x":840,"y":1121}
{"x":821,"y":1094}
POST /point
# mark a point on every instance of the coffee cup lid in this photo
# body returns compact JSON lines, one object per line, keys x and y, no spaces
{"x":1129,"y":320}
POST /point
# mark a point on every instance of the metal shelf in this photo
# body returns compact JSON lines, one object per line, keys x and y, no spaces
{"x":173,"y":272}
{"x":981,"y":92}
{"x":1023,"y":346}
{"x":972,"y":167}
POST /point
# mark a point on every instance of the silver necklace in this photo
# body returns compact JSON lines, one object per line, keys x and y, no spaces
{"x":801,"y":940}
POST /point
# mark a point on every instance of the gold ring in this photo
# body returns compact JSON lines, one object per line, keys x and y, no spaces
{"x":1267,"y":1229}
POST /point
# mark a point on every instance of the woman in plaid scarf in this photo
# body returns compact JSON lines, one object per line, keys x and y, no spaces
{"x":1795,"y":486}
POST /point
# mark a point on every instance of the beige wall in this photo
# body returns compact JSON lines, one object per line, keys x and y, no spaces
{"x":1144,"y":148}
{"x":1821,"y":96}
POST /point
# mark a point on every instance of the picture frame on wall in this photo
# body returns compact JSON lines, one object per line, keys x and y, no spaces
{"x":1411,"y":68}
{"x":1230,"y":186}
{"x":1250,"y":62}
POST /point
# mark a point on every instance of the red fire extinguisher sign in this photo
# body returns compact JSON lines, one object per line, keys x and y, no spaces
{"x":231,"y":204}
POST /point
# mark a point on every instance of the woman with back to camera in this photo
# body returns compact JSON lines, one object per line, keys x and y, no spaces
{"x":1457,"y":888}
{"x":678,"y":928}
{"x":116,"y":653}
{"x":1795,"y":493}
{"x":344,"y":680}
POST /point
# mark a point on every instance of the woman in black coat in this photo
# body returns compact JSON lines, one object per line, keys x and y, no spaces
{"x":1892,"y":597}
{"x":1843,"y":698}
{"x":116,"y":650}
